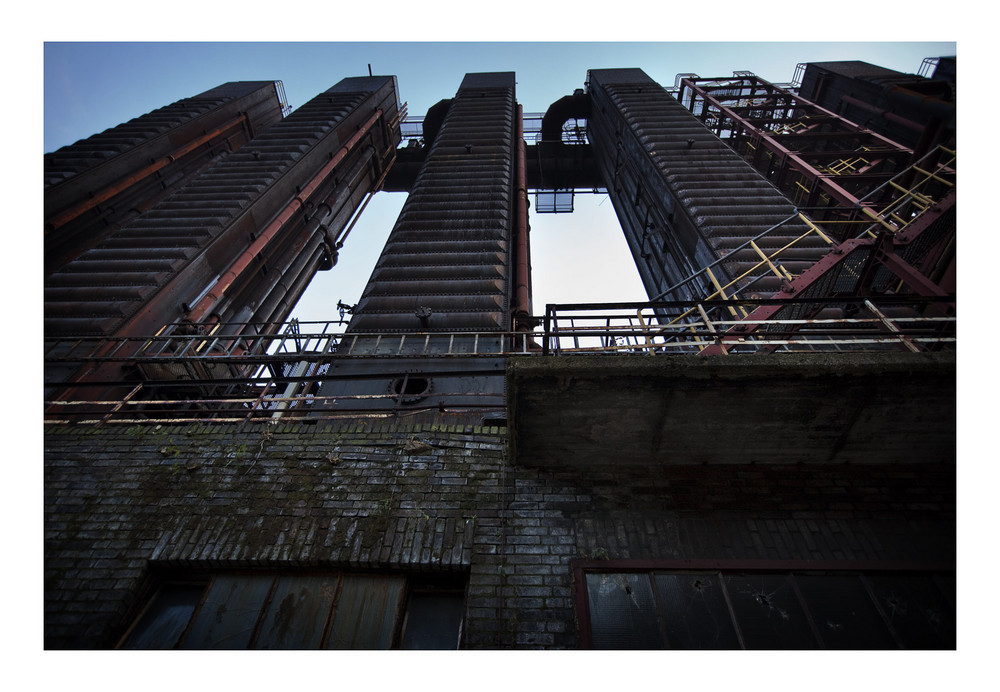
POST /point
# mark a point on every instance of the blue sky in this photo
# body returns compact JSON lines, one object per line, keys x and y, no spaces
{"x":91,"y":86}
{"x":581,"y":257}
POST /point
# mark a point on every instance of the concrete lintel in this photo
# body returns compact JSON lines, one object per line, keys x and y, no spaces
{"x":606,"y":411}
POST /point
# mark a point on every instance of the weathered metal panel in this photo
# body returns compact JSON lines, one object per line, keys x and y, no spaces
{"x":166,"y":619}
{"x":297,"y":613}
{"x":227,"y":618}
{"x":448,"y":252}
{"x":95,"y":185}
{"x":367,"y":612}
{"x":683,"y":197}
{"x":199,"y":231}
{"x":445,"y":266}
{"x":378,"y":384}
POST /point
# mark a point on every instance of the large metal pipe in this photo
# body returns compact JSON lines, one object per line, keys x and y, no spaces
{"x":281,"y":299}
{"x":575,"y":106}
{"x":122,"y":185}
{"x":292,"y":255}
{"x":434,"y":119}
{"x":905,"y":122}
{"x":930,"y":105}
{"x":522,"y":255}
{"x":219,"y":288}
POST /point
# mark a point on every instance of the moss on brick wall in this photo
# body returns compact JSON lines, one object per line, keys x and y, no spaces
{"x":226,"y":496}
{"x":121,"y":501}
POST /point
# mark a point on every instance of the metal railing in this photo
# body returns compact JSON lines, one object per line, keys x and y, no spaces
{"x":236,"y":344}
{"x":279,"y":90}
{"x":154,"y":404}
{"x":230,"y":376}
{"x":769,"y":263}
{"x":892,"y":207}
{"x":574,"y":129}
{"x":852,"y":324}
{"x":927,"y":67}
{"x":681,"y":325}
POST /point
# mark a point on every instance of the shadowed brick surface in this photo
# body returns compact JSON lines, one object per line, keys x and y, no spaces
{"x":120,"y":500}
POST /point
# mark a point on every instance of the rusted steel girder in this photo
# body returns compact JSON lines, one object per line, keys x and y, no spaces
{"x":883,"y":251}
{"x":788,"y":158}
{"x":522,"y":298}
{"x":881,"y":112}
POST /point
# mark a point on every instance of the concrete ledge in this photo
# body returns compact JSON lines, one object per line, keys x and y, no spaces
{"x":578,"y":411}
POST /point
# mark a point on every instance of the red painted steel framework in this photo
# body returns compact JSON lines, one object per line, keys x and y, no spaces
{"x":819,"y":159}
{"x":893,"y":215}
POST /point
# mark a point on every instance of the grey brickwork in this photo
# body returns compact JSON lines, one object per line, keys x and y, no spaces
{"x":122,"y":500}
{"x":367,"y":497}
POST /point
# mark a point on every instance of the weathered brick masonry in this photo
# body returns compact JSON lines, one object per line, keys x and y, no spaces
{"x":219,"y":497}
{"x":121,"y":501}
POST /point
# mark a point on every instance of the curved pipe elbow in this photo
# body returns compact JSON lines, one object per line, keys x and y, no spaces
{"x":575,"y":106}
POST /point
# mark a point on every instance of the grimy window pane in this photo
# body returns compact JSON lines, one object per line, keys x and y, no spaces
{"x":622,"y":612}
{"x":768,"y":613}
{"x":433,"y":621}
{"x":918,"y":612}
{"x":844,"y":613}
{"x":366,"y":612}
{"x":167,"y":617}
{"x":694,"y":612}
{"x":230,"y":612}
{"x":297,"y":614}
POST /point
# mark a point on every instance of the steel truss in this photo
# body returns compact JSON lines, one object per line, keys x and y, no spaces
{"x":816,"y":157}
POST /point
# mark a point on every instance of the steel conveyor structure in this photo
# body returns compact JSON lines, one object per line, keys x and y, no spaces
{"x":684,"y":199}
{"x":240,"y":242}
{"x":182,"y":303}
{"x":96,"y":185}
{"x":445,"y":275}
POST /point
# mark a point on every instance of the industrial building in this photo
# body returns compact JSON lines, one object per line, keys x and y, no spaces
{"x":760,"y":456}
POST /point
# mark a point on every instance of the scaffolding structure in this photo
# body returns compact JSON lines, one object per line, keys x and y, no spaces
{"x":819,"y":159}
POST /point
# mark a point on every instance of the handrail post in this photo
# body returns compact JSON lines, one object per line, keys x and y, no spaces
{"x":548,"y":332}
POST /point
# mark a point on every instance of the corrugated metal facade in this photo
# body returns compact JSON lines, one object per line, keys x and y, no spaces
{"x":448,"y":251}
{"x":139,"y":278}
{"x":97,"y":184}
{"x":445,"y":267}
{"x":684,"y":198}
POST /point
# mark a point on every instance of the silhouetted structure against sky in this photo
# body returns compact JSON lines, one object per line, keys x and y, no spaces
{"x":761,"y":456}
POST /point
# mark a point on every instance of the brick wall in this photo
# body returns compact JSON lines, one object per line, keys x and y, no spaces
{"x":261,"y":496}
{"x":121,"y":500}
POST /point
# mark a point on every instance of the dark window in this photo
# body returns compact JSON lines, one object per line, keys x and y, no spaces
{"x":701,"y":613}
{"x":623,"y":608}
{"x":921,"y":611}
{"x":622,"y":611}
{"x":302,"y":611}
{"x":554,"y":201}
{"x":768,"y":613}
{"x":229,"y":614}
{"x":367,"y":612}
{"x":165,"y":618}
{"x":433,"y":620}
{"x":844,"y":612}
